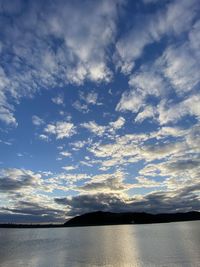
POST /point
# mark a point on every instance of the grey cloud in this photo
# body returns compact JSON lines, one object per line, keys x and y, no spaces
{"x":111,"y":184}
{"x":181,"y":165}
{"x":6,"y":217}
{"x":31,"y":209}
{"x":87,"y":203}
{"x":16,"y":179}
{"x":184,"y":199}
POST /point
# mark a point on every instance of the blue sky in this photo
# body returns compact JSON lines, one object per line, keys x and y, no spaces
{"x":99,"y":107}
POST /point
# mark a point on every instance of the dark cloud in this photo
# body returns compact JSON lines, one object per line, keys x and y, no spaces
{"x":87,"y":203}
{"x":183,"y":199}
{"x":8,"y":184}
{"x":16,"y":179}
{"x":111,"y":184}
{"x":6,"y":217}
{"x":25,"y":211}
{"x":185,"y":164}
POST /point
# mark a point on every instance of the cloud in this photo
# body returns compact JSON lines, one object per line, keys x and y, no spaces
{"x":58,"y":100}
{"x":166,"y":142}
{"x":158,"y":57}
{"x":118,"y":124}
{"x":122,"y":147}
{"x":7,"y":116}
{"x":147,"y":82}
{"x":86,"y":100}
{"x":30,"y":210}
{"x":37,"y":120}
{"x":130,"y":101}
{"x":180,"y":65}
{"x":87,"y":203}
{"x":6,"y":109}
{"x":174,"y":112}
{"x":143,"y":84}
{"x":27,"y":208}
{"x":100,"y":130}
{"x":180,"y":200}
{"x":148,"y":112}
{"x":52,"y":49}
{"x":67,"y":179}
{"x":60,"y":129}
{"x":180,"y":77}
{"x":77,"y":145}
{"x":44,"y":137}
{"x":69,"y":168}
{"x":18,"y":179}
{"x":65,"y":154}
{"x":94,"y":128}
{"x":176,"y":18}
{"x":90,"y":98}
{"x":80,"y":107}
{"x":106,"y":183}
{"x":143,"y":182}
{"x":151,"y":1}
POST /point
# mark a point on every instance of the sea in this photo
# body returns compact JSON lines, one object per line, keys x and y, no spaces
{"x":166,"y":245}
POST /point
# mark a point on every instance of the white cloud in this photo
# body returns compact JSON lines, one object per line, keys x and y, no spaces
{"x":129,"y":149}
{"x":130,"y":101}
{"x":180,"y":65}
{"x":77,"y":145}
{"x":69,"y":168}
{"x":94,"y":128}
{"x":60,"y":129}
{"x":90,"y":98}
{"x":59,"y":100}
{"x":174,"y":112}
{"x":65,"y":154}
{"x":37,"y":120}
{"x":143,"y":182}
{"x":99,"y":130}
{"x":176,"y":71}
{"x":7,"y":116}
{"x":44,"y":137}
{"x":69,"y":178}
{"x":176,"y":18}
{"x":148,"y":112}
{"x":148,"y":82}
{"x":80,"y":54}
{"x":80,"y":107}
{"x":86,"y":100}
{"x":119,"y":123}
{"x":6,"y":109}
{"x":167,"y":131}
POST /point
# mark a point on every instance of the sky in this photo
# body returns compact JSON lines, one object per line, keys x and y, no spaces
{"x":99,"y":107}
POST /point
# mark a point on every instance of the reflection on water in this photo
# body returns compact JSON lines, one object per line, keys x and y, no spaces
{"x":174,"y":244}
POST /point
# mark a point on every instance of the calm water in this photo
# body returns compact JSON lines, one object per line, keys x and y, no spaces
{"x":174,"y":244}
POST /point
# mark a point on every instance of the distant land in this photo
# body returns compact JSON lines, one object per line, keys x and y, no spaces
{"x":110,"y":218}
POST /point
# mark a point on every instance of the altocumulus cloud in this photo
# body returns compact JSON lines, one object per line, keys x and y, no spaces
{"x":103,"y":106}
{"x":77,"y":58}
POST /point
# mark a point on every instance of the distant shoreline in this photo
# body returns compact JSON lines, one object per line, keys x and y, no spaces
{"x":100,"y":218}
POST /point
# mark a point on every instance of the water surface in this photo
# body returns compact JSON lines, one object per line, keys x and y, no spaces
{"x":173,"y":244}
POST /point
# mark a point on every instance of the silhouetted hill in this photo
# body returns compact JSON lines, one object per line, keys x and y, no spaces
{"x":110,"y":218}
